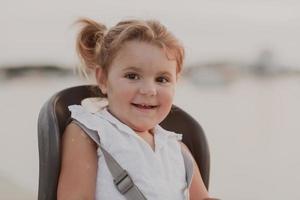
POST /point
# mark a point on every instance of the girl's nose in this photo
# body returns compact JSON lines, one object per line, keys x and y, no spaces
{"x":148,"y":89}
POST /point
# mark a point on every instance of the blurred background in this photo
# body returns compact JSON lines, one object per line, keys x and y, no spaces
{"x":241,"y":82}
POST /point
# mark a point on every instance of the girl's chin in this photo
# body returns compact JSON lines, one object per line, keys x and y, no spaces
{"x":142,"y":130}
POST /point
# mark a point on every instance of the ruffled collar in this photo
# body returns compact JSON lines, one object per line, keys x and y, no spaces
{"x":160,"y":134}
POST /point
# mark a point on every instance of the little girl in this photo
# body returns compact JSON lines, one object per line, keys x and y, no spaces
{"x":136,"y":65}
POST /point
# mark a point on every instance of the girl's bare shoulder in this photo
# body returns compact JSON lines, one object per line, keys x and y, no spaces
{"x":79,"y":164}
{"x":75,"y":136}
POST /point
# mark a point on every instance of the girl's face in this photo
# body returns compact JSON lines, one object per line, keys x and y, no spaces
{"x":139,"y":85}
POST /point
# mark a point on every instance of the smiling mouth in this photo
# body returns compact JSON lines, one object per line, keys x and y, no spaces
{"x":144,"y":106}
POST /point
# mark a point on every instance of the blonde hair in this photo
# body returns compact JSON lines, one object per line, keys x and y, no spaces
{"x":97,"y":46}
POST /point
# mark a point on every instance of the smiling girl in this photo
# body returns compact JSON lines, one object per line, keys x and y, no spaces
{"x":136,"y":65}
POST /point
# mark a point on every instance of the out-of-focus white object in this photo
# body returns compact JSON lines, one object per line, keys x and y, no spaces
{"x":94,"y":104}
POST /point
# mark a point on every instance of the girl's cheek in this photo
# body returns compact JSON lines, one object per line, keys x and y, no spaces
{"x":168,"y":95}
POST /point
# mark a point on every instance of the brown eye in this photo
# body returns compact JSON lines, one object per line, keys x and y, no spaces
{"x":132,"y":76}
{"x":162,"y":79}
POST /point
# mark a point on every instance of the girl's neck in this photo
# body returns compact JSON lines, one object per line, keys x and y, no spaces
{"x":148,"y":137}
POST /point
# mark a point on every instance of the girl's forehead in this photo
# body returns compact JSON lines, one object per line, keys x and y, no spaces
{"x":140,"y":50}
{"x":142,"y":54}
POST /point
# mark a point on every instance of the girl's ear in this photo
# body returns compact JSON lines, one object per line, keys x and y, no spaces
{"x":101,"y":79}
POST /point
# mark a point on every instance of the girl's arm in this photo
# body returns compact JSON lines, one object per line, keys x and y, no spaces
{"x":77,"y":180}
{"x":197,"y":190}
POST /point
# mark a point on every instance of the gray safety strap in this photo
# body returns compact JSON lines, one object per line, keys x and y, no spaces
{"x":122,"y":179}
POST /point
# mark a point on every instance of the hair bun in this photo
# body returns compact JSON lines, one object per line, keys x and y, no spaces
{"x":89,"y":41}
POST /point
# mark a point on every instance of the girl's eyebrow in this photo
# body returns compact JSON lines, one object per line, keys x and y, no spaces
{"x":132,"y":68}
{"x":137,"y":69}
{"x":165,"y":73}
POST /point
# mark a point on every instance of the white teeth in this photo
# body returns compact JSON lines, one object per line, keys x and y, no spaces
{"x":144,"y":105}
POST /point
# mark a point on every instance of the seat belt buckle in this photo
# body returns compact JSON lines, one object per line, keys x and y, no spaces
{"x":123,"y":182}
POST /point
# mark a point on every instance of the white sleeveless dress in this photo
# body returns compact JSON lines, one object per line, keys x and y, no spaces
{"x":159,"y":174}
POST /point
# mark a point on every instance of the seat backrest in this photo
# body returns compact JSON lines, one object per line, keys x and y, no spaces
{"x":54,"y":117}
